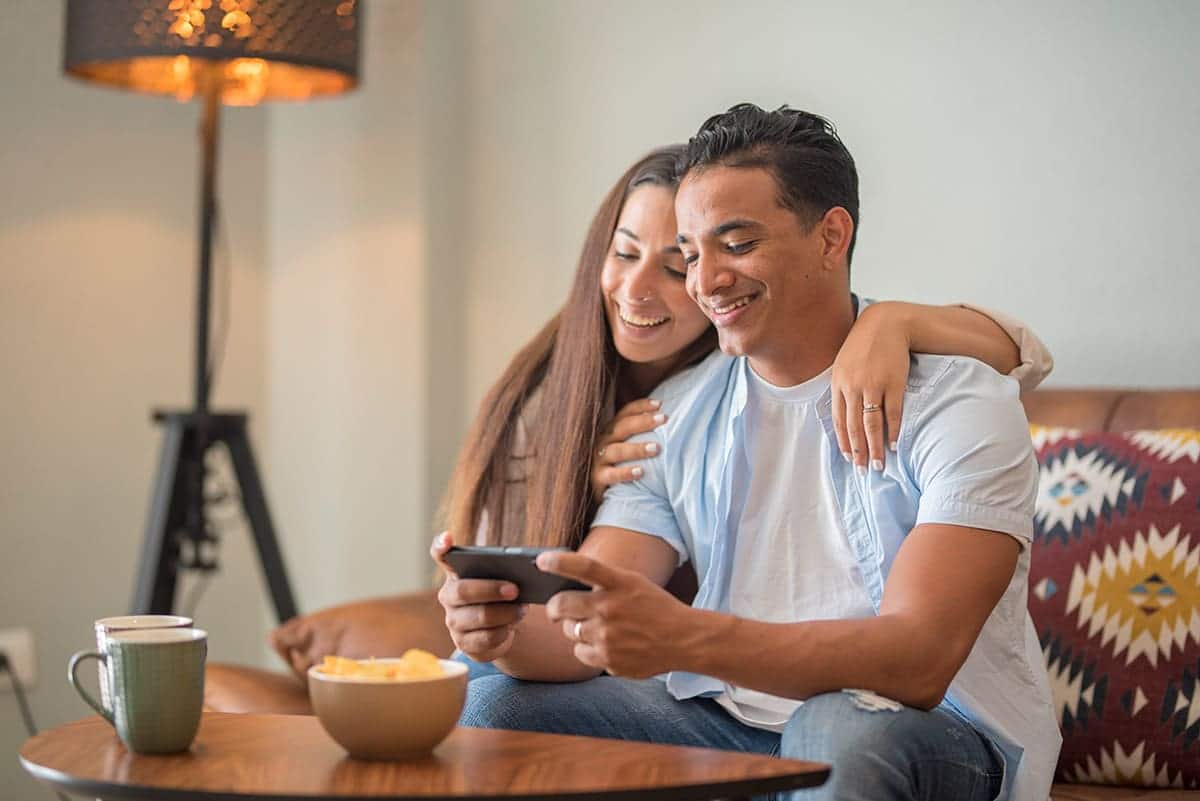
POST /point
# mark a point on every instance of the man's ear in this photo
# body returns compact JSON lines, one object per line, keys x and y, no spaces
{"x":837,"y":229}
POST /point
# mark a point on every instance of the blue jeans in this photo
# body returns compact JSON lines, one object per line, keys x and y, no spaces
{"x":878,"y":751}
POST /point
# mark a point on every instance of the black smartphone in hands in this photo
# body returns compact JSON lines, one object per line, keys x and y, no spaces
{"x":511,"y":564}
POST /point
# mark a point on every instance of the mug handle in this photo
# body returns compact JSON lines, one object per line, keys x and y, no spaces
{"x":76,"y":660}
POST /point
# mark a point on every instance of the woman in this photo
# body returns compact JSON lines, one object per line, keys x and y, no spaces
{"x":546,"y":441}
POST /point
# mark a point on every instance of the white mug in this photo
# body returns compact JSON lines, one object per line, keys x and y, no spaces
{"x":109,"y":625}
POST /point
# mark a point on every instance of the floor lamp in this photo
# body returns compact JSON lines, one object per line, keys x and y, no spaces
{"x":232,"y":52}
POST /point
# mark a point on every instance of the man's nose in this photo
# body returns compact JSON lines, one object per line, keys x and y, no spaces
{"x":708,"y":277}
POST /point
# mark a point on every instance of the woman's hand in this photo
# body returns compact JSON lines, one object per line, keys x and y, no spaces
{"x":867,"y":386}
{"x":608,"y":467}
{"x":480,"y":613}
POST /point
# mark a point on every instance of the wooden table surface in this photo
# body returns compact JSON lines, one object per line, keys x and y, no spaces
{"x":281,"y":757}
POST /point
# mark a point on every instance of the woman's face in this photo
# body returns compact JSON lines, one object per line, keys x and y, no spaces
{"x":649,"y":312}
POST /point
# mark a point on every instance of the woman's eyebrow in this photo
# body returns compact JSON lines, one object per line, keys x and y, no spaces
{"x":629,"y":234}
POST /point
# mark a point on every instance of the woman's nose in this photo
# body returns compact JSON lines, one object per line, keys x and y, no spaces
{"x":641,"y":282}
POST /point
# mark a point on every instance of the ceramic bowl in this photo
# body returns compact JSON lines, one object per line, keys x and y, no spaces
{"x":384,"y":719}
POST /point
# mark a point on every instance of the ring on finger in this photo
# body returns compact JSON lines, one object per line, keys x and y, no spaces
{"x":871,"y":407}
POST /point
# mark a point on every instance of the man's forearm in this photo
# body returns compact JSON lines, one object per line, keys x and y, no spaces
{"x":799,"y":660}
{"x":540,"y":652}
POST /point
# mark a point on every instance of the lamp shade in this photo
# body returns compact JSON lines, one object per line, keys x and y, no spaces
{"x":247,"y":51}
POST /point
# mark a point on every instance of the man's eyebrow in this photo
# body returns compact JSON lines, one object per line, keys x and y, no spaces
{"x":724,"y":228}
{"x":629,"y":234}
{"x":733,"y":225}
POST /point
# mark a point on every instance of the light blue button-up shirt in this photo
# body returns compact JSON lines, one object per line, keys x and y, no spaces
{"x":964,"y":457}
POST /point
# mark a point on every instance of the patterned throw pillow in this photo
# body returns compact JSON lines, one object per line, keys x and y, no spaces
{"x":1115,"y":596}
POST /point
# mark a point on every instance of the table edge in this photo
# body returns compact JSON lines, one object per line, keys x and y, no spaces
{"x":139,"y":792}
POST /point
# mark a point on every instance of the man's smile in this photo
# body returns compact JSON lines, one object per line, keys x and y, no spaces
{"x":723,"y":311}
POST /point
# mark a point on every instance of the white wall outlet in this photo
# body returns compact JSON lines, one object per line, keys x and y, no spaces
{"x":18,"y":644}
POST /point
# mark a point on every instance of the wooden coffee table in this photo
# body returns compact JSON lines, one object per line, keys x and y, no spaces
{"x":285,"y":757}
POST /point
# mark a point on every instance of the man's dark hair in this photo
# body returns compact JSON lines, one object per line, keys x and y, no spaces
{"x":813,"y":169}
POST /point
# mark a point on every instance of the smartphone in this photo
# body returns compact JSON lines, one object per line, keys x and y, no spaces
{"x":511,"y":564}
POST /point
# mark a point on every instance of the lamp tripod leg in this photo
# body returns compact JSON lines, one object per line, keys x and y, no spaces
{"x":255,"y":503}
{"x":154,"y":592}
{"x":176,"y":506}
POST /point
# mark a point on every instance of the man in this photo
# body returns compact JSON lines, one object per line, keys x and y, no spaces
{"x":874,"y":619}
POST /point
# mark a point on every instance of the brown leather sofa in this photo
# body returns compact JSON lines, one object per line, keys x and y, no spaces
{"x":234,"y":688}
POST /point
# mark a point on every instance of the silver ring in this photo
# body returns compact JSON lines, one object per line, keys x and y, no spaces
{"x":871,"y":407}
{"x":575,"y":633}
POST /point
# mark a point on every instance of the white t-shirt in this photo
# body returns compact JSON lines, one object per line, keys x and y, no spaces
{"x":786,"y":506}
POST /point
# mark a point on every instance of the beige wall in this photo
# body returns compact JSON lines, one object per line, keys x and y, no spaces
{"x":1039,"y":157}
{"x":346,"y":359}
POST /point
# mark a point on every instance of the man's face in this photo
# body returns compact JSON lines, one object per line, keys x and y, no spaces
{"x":751,"y":262}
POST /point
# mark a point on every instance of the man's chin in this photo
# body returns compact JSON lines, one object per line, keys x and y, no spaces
{"x":730,"y":343}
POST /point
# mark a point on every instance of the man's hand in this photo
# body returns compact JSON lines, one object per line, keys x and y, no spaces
{"x":480,"y":614}
{"x":626,"y":624}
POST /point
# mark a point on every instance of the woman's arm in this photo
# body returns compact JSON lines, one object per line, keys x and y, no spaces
{"x":871,"y":369}
{"x":1004,"y":343}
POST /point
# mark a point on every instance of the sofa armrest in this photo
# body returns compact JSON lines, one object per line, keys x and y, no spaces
{"x":374,"y":627}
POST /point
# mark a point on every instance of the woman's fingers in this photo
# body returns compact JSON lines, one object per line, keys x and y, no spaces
{"x":466,"y":592}
{"x":486,"y":616}
{"x":607,"y":476}
{"x":614,"y":450}
{"x":437,"y":549}
{"x":893,"y":407}
{"x":639,"y":406}
{"x":484,"y":645}
{"x":854,"y":428}
{"x":626,"y":427}
{"x":620,"y":452}
{"x":839,"y":423}
{"x":872,"y":417}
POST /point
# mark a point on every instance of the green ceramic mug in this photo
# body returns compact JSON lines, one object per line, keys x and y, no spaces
{"x":156,"y":685}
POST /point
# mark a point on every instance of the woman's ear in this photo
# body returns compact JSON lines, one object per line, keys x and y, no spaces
{"x":837,"y":229}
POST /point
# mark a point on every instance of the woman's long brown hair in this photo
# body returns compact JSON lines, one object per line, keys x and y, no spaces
{"x":575,"y":363}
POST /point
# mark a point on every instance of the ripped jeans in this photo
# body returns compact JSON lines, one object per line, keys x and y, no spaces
{"x":878,"y":750}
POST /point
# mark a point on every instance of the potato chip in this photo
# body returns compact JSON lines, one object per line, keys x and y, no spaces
{"x":414,"y":664}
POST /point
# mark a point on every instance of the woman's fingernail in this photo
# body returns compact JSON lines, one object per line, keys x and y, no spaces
{"x":508,"y":591}
{"x":862,"y":469}
{"x":440,"y":540}
{"x":637,"y":472}
{"x":892,"y":445}
{"x":657,"y":404}
{"x":877,"y":464}
{"x":652,"y":447}
{"x":660,"y":418}
{"x":845,"y":456}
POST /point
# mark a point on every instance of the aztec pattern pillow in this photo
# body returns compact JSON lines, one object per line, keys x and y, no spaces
{"x":1115,"y":596}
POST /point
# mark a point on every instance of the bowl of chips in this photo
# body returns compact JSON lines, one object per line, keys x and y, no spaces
{"x":384,"y":709}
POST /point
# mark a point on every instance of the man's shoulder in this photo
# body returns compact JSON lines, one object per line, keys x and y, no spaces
{"x":930,"y":374}
{"x":681,"y":390}
{"x":961,"y":393}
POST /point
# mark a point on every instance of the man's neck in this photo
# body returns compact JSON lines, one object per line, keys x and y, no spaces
{"x":809,"y":350}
